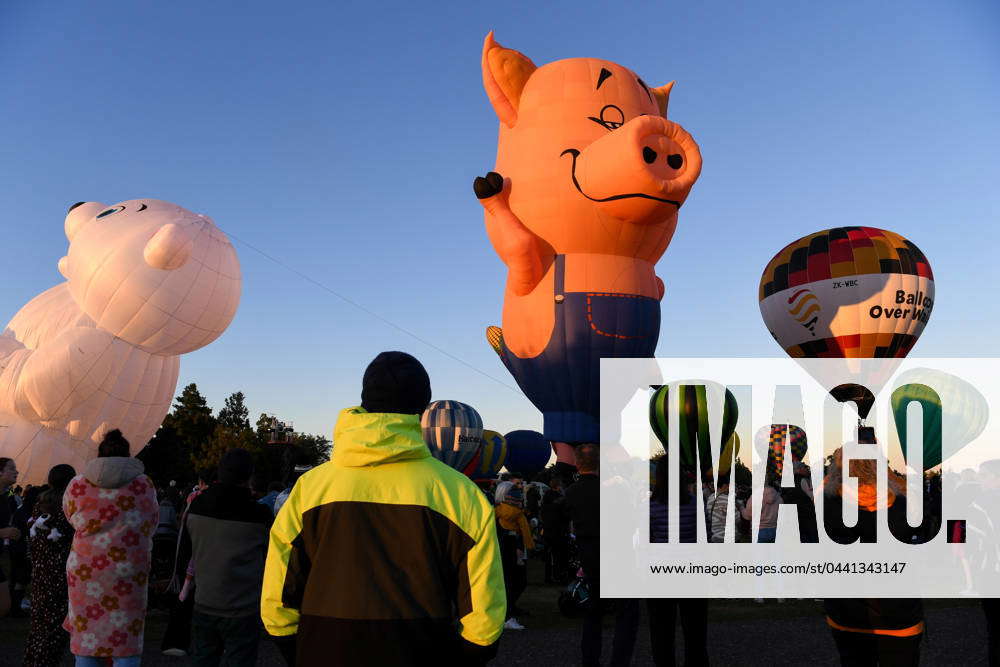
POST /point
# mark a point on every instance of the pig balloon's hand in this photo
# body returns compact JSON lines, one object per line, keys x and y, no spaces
{"x":660,"y":289}
{"x":489,"y":186}
{"x":515,"y":243}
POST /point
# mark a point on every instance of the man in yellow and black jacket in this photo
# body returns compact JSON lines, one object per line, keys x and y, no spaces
{"x":384,"y":556}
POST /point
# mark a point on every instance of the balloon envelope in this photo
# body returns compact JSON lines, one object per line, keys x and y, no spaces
{"x":694,"y":398}
{"x":527,"y":451}
{"x":954,"y":413}
{"x":772,"y":440}
{"x":492,"y":455}
{"x":146,"y":281}
{"x":848,"y":292}
{"x":453,"y":431}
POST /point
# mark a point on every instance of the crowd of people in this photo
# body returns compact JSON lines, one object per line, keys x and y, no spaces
{"x":385,"y":556}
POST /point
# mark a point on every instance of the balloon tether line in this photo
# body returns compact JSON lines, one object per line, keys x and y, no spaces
{"x":369,"y":311}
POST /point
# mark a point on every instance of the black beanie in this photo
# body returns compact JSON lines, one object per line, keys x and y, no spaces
{"x":236,"y":466}
{"x":395,"y":382}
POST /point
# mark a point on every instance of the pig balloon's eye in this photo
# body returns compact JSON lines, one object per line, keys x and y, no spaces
{"x":111,"y":211}
{"x":611,"y":117}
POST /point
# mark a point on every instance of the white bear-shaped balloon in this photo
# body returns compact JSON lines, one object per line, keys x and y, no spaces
{"x":146,"y":281}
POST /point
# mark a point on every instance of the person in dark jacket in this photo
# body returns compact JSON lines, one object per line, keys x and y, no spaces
{"x":385,"y":555}
{"x":983,"y":502}
{"x":583,"y":500}
{"x":869,"y":631}
{"x":228,"y":532}
{"x":663,"y":611}
{"x":555,"y":532}
{"x":20,"y":568}
{"x":49,"y":542}
{"x":8,"y":532}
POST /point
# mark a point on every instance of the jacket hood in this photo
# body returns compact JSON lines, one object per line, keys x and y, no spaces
{"x":363,"y":438}
{"x":113,"y":472}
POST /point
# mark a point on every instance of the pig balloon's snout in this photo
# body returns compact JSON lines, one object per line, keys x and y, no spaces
{"x":636,"y":171}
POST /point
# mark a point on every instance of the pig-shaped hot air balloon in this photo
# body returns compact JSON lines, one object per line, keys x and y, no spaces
{"x":582,"y":202}
{"x":146,"y":281}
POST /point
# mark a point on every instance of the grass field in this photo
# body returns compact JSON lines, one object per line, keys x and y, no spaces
{"x":740,"y":632}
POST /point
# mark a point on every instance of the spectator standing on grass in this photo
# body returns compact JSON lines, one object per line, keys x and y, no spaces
{"x":583,"y":506}
{"x":50,"y":539}
{"x":555,"y":532}
{"x":8,"y":533}
{"x":870,"y":631}
{"x":515,"y":544}
{"x":20,"y":567}
{"x":716,"y":509}
{"x":273,"y":489}
{"x":385,"y":555}
{"x":663,"y":612}
{"x":769,"y":504}
{"x":983,"y":533}
{"x":228,"y":532}
{"x":112,"y":507}
{"x":177,"y":638}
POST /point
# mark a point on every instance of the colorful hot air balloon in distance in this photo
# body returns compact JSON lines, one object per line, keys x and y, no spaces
{"x":528,"y":452}
{"x":694,"y":400}
{"x":953,"y":411}
{"x":492,"y":456}
{"x":847,"y":292}
{"x":453,"y":431}
{"x":771,"y":443}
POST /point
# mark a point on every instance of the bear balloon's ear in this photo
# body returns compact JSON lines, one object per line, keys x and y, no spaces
{"x":79,"y":214}
{"x":505,"y":71}
{"x":662,"y":95}
{"x":169,"y":248}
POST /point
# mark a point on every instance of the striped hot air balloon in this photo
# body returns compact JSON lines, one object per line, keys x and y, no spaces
{"x":848,"y":292}
{"x":492,"y":456}
{"x":694,"y":398}
{"x":453,"y":431}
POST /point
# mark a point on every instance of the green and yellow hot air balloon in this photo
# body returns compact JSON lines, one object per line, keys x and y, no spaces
{"x":695,"y":398}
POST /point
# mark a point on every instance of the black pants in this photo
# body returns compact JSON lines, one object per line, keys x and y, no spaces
{"x":515,"y":577}
{"x":626,"y":613}
{"x":178,"y":633}
{"x":225,"y":642}
{"x":858,"y":649}
{"x":556,"y":559}
{"x":694,"y":622}
{"x":991,"y":608}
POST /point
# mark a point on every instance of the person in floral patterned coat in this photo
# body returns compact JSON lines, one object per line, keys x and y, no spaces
{"x":112,"y":506}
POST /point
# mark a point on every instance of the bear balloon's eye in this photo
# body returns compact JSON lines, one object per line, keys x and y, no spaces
{"x":611,"y":117}
{"x":111,"y":211}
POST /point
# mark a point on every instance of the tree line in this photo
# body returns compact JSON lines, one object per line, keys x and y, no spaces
{"x":191,"y":439}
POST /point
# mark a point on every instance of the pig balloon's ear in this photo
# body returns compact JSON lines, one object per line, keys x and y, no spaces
{"x":169,"y":248}
{"x":662,"y":95}
{"x":505,"y":71}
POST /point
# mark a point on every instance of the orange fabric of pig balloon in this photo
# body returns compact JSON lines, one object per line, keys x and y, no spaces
{"x":582,"y":203}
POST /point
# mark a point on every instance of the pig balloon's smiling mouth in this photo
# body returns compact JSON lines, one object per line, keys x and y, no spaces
{"x":640,"y":195}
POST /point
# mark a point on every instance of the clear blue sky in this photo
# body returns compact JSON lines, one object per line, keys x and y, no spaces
{"x":342,"y":139}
